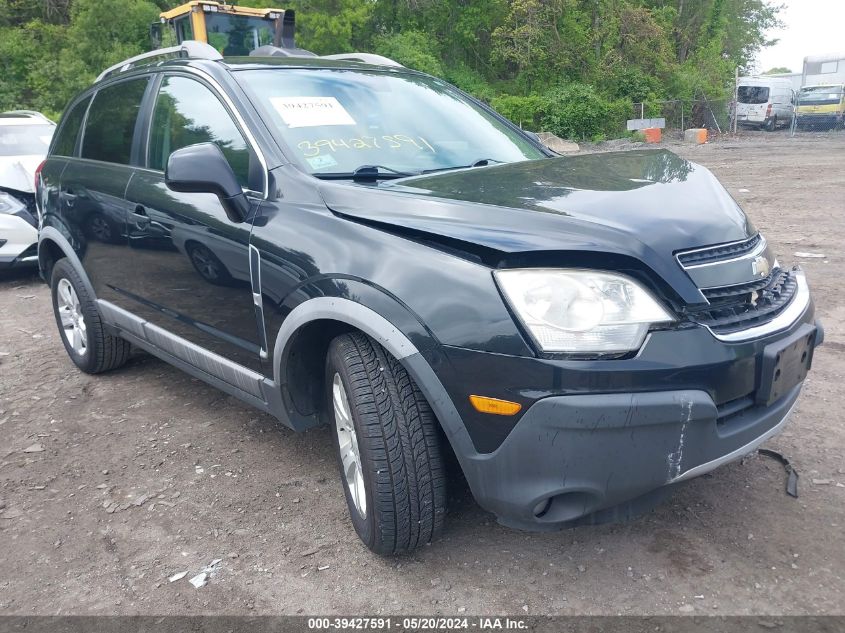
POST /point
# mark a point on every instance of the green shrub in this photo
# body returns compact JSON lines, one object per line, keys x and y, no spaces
{"x":470,"y":81}
{"x":575,"y":111}
{"x":413,"y":49}
{"x":526,"y":112}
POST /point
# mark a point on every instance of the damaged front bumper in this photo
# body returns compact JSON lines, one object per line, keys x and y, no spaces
{"x":575,"y":456}
{"x":578,"y":458}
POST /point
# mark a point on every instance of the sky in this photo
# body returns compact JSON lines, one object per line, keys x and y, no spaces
{"x":811,"y":27}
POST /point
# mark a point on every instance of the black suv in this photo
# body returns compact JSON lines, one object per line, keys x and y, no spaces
{"x":357,"y":244}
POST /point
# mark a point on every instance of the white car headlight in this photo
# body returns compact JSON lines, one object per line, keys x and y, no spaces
{"x":581,"y":311}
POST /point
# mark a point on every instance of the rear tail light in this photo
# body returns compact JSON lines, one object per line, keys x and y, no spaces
{"x":769,"y":110}
{"x":38,"y":212}
{"x":38,"y":176}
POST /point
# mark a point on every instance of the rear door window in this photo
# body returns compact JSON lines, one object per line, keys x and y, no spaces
{"x":69,"y":129}
{"x":111,"y":122}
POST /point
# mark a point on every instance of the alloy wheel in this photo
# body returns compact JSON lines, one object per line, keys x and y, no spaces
{"x":73,"y":322}
{"x":347,"y":440}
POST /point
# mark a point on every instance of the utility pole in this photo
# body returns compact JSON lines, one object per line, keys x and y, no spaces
{"x":736,"y":100}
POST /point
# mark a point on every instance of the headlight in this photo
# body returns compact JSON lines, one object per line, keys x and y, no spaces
{"x":581,"y":311}
{"x":8,"y":204}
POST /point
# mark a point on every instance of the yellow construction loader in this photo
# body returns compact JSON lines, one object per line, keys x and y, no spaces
{"x":232,"y":30}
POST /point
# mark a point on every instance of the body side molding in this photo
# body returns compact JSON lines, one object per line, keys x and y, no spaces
{"x":234,"y":379}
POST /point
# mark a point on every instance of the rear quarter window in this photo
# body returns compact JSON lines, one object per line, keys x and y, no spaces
{"x":65,"y":144}
{"x":110,"y":127}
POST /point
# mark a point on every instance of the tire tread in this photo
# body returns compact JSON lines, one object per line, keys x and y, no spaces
{"x":406,"y":465}
{"x":105,"y":351}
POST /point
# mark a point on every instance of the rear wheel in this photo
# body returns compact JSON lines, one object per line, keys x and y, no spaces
{"x":771,"y":124}
{"x":208,"y":265}
{"x":387,"y":445}
{"x":89,"y":346}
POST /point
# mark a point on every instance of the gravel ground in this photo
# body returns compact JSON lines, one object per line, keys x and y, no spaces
{"x":109,"y":485}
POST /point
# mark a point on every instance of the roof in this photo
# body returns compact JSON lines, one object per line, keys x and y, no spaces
{"x":304,"y":62}
{"x":220,"y":7}
{"x":832,"y":84}
{"x":764,"y":79}
{"x":830,"y":57}
{"x":191,"y":51}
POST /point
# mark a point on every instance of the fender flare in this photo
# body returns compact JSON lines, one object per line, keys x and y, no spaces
{"x":394,"y":341}
{"x":49,"y":233}
{"x":346,"y":311}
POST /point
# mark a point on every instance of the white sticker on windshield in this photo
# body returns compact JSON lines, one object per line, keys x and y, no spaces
{"x":321,"y":162}
{"x":311,"y":111}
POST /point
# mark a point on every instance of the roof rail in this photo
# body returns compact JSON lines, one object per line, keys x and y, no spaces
{"x":279,"y":51}
{"x":367,"y":58}
{"x":189,"y":48}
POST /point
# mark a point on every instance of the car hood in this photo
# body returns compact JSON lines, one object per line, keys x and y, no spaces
{"x":646,"y":204}
{"x":18,"y":172}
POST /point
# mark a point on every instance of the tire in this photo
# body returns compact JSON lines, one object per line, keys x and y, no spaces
{"x":101,"y":351}
{"x":400,"y":462}
{"x":102,"y":229}
{"x":771,"y":124}
{"x":208,"y":265}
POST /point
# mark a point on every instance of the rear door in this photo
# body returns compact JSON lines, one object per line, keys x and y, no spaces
{"x":190,"y":263}
{"x":64,"y":148}
{"x":92,"y":188}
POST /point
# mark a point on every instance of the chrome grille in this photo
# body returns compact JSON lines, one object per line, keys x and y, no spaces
{"x":718,"y":253}
{"x":743,"y":306}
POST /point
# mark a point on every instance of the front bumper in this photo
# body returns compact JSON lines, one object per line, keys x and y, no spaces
{"x":820,"y":120}
{"x":18,"y":242}
{"x":575,"y":456}
{"x":605,"y":440}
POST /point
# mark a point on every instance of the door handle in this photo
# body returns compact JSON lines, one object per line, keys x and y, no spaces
{"x":142,"y":220}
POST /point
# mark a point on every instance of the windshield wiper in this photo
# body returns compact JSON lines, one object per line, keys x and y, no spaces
{"x":368,"y":172}
{"x":481,"y":162}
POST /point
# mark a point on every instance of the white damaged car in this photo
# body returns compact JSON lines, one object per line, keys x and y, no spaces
{"x":24,"y":140}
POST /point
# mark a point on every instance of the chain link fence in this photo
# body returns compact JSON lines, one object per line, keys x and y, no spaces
{"x":683,"y":114}
{"x":716,"y":115}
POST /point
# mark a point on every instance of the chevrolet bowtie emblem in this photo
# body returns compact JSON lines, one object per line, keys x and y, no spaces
{"x":760,"y":266}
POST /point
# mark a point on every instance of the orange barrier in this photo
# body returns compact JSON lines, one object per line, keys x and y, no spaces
{"x":652,"y":134}
{"x":697,"y":136}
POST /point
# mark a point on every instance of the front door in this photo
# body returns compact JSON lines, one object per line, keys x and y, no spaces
{"x":191,"y":263}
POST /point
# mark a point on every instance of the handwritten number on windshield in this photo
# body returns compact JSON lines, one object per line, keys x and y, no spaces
{"x":389,"y":141}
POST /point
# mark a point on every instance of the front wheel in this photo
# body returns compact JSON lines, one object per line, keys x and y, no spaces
{"x":387,"y":445}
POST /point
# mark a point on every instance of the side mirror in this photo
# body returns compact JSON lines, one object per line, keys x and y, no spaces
{"x":203,"y":168}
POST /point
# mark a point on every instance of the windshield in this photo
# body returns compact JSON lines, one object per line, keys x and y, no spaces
{"x":238,"y":34}
{"x":25,"y":140}
{"x":336,"y":121}
{"x":753,"y":95}
{"x":820,"y":95}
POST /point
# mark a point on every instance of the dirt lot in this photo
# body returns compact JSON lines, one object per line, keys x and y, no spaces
{"x":200,"y":476}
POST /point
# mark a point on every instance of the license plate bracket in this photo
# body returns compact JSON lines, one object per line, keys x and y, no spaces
{"x":785,"y":363}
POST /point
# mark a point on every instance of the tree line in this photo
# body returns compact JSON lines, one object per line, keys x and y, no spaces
{"x":573,"y":67}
